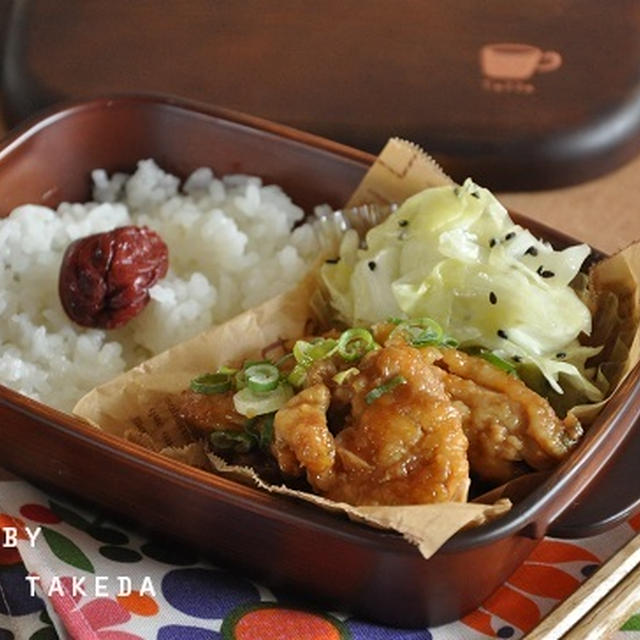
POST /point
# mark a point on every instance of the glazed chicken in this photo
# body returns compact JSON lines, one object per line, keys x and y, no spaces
{"x":406,"y":446}
{"x":506,"y":425}
{"x":505,"y":421}
{"x":396,"y":424}
{"x":210,"y":413}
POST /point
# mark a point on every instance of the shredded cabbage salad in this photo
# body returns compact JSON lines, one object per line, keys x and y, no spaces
{"x":453,"y":253}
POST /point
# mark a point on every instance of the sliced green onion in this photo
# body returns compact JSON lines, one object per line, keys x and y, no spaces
{"x":354,"y":343}
{"x":266,"y":432}
{"x":323,"y":348}
{"x":230,"y":440}
{"x":262,"y":377}
{"x":251,"y":363}
{"x":342,"y":376}
{"x":253,"y":403}
{"x":261,"y":430}
{"x":306,"y":353}
{"x":300,"y":352}
{"x":422,"y":332}
{"x":228,"y":370}
{"x":211,"y":383}
{"x":375,"y":393}
{"x":240,"y":380}
{"x":297,"y":376}
{"x":430,"y":333}
{"x":498,"y":362}
{"x":241,"y":376}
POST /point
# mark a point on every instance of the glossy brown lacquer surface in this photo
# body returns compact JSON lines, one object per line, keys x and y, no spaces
{"x":324,"y":557}
{"x":557,"y":103}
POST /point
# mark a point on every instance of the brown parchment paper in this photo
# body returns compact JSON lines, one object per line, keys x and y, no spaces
{"x":401,"y":169}
{"x":140,"y":405}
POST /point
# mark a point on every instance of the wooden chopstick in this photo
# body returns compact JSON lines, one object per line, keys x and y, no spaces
{"x":601,"y":604}
{"x":611,"y":613}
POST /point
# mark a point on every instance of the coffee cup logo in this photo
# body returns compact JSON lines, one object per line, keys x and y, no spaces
{"x":509,"y":66}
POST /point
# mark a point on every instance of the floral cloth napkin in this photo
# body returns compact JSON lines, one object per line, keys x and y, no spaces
{"x":67,"y":572}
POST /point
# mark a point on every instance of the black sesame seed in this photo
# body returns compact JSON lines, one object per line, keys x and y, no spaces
{"x":517,"y":359}
{"x":501,"y":334}
{"x":372,"y":265}
{"x":510,"y":236}
{"x":475,"y":194}
{"x":544,"y":273}
{"x":493,"y":242}
{"x":531,"y":251}
{"x":403,"y":223}
{"x":493,"y":298}
{"x":560,"y":355}
{"x":332,"y":260}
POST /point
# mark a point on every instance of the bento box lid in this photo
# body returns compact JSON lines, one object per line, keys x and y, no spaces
{"x":519,"y":96}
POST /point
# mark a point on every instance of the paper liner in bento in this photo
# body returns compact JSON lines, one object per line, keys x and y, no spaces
{"x":427,"y":526}
{"x":614,"y":284}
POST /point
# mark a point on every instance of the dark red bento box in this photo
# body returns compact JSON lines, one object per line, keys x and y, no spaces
{"x":285,"y":543}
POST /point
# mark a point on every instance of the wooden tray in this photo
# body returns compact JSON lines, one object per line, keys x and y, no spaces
{"x":517,"y":95}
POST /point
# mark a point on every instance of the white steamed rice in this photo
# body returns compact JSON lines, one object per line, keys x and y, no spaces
{"x":231,"y":246}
